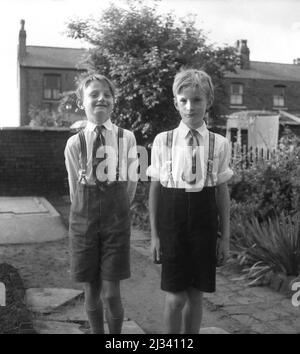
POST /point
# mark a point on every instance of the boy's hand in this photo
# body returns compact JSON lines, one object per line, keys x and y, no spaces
{"x":155,"y":248}
{"x":222,"y":251}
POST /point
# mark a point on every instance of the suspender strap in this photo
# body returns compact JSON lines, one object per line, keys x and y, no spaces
{"x":169,"y":151}
{"x":83,"y":150}
{"x":120,"y":139}
{"x":210,"y":161}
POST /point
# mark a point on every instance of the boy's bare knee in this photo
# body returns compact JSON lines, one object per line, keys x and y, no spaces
{"x":176,"y":300}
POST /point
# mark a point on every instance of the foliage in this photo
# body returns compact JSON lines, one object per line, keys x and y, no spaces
{"x":139,"y":208}
{"x":141,"y":51}
{"x":271,"y":187}
{"x":64,"y":115}
{"x":272,"y":245}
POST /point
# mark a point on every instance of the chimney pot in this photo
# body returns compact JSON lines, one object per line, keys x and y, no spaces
{"x":297,"y":61}
{"x":244,"y":53}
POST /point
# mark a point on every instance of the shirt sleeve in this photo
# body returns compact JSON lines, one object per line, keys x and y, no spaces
{"x":132,"y":173}
{"x":72,"y":165}
{"x":224,"y":170}
{"x":153,"y":170}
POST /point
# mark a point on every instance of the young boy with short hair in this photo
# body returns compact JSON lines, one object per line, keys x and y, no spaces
{"x":188,"y":199}
{"x":98,"y":159}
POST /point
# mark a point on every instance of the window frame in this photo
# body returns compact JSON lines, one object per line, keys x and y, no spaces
{"x":54,"y":92}
{"x":237,"y":98}
{"x":279,"y":97}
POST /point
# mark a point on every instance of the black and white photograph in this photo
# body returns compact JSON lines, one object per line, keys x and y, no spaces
{"x":150,"y":170}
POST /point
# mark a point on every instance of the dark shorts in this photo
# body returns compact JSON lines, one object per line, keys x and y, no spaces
{"x":188,"y":233}
{"x":100,"y":233}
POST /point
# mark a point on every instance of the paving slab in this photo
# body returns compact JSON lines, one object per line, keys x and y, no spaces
{"x":69,"y":313}
{"x":213,"y":330}
{"x":29,"y":220}
{"x":58,"y":327}
{"x":46,"y":300}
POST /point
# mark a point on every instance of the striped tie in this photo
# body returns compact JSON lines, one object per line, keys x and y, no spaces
{"x":99,"y":141}
{"x":193,"y":175}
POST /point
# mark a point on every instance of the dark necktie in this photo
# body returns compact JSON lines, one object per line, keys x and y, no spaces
{"x":193,"y":175}
{"x":99,"y":141}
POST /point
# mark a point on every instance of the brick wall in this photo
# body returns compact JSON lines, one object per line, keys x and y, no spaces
{"x":32,"y":161}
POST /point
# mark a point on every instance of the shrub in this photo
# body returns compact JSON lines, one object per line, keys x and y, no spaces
{"x":272,"y":245}
{"x":139,"y":208}
{"x":270,"y":186}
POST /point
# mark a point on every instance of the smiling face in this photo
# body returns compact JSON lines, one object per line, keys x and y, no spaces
{"x":98,"y":101}
{"x":192,"y":103}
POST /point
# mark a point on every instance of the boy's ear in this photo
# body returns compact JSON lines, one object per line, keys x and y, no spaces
{"x":175,"y":103}
{"x":79,"y":104}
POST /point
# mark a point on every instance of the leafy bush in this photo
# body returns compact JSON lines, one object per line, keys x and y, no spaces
{"x":272,"y":245}
{"x":139,"y":208}
{"x":60,"y":118}
{"x":270,"y":186}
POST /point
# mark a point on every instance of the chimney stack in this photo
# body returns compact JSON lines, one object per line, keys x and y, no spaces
{"x":244,"y":53}
{"x":22,"y":41}
{"x":297,"y":61}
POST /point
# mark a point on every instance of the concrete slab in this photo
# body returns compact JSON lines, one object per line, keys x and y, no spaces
{"x":28,"y":220}
{"x":55,"y":327}
{"x":46,"y":300}
{"x":70,"y":313}
{"x":213,"y":330}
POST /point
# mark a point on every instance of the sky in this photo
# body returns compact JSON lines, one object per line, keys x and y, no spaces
{"x":271,"y":27}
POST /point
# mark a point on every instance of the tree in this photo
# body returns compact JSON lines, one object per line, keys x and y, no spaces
{"x":141,"y":51}
{"x":63,"y":116}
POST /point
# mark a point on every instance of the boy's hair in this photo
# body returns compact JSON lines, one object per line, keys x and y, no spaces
{"x":94,"y":77}
{"x":194,"y":78}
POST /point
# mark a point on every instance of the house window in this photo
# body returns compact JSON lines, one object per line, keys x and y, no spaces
{"x":279,"y":96}
{"x":52,"y":86}
{"x":236,"y":94}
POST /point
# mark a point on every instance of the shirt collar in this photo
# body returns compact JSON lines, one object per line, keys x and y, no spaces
{"x":183,"y":129}
{"x":90,"y":126}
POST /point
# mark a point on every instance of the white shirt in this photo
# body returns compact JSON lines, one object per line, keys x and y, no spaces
{"x":160,"y":160}
{"x":128,"y":156}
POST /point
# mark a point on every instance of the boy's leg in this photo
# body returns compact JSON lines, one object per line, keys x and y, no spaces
{"x":174,"y":303}
{"x":93,"y":306}
{"x":192,"y":312}
{"x":114,"y":308}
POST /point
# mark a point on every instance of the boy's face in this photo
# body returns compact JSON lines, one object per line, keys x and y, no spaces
{"x":191,"y":102}
{"x":97,"y":102}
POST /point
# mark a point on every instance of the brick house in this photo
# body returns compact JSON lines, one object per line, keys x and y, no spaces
{"x":43,"y":74}
{"x":263,"y":85}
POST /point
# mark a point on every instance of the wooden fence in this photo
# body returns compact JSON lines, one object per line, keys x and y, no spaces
{"x":248,"y":156}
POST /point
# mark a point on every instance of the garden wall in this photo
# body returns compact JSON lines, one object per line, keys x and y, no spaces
{"x":32,"y":161}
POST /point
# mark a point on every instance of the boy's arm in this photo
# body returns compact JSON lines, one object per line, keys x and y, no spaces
{"x":153,"y":209}
{"x":132,"y":175}
{"x":72,"y":165}
{"x":223,"y":205}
